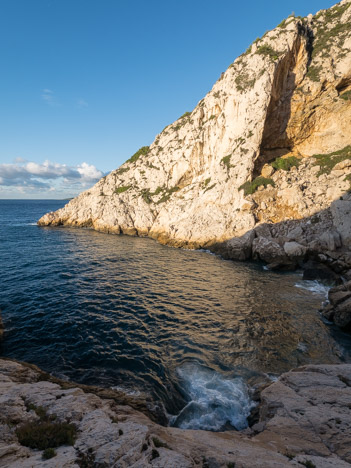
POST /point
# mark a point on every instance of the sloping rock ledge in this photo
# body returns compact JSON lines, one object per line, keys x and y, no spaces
{"x":305,"y":420}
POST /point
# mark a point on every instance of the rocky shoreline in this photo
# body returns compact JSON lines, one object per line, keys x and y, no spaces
{"x":304,"y":420}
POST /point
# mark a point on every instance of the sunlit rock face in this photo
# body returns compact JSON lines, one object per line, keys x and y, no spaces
{"x":288,"y":95}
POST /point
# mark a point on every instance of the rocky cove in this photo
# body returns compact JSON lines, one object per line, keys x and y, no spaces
{"x":259,"y":170}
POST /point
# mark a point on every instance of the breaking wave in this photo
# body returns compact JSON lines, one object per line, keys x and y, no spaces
{"x":215,"y":402}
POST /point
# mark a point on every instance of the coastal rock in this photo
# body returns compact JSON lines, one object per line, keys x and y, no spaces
{"x":313,"y":270}
{"x":330,"y":240}
{"x":339,"y":307}
{"x":310,"y":400}
{"x":268,"y":250}
{"x":238,"y":248}
{"x":304,"y":416}
{"x":341,"y":212}
{"x":295,"y":250}
{"x":342,"y":314}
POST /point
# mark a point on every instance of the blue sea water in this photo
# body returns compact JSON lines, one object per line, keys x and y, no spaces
{"x":186,"y":328}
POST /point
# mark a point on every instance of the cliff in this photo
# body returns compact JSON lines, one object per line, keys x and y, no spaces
{"x":304,"y":420}
{"x":261,"y":168}
{"x":288,"y":95}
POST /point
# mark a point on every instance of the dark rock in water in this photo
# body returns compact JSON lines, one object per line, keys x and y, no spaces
{"x":282,"y":266}
{"x":318,"y":271}
{"x":237,"y":248}
{"x":328,"y":312}
{"x":339,"y":309}
{"x":337,"y":297}
{"x":342,"y":314}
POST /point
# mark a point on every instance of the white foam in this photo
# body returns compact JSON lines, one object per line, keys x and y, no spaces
{"x":214,"y":402}
{"x":314,"y":286}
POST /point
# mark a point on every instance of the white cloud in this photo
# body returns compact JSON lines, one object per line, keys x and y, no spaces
{"x":47,"y":176}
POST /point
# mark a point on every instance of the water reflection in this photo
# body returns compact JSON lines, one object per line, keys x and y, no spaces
{"x":127,"y":312}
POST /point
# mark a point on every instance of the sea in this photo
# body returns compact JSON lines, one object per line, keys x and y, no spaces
{"x":193,"y":333}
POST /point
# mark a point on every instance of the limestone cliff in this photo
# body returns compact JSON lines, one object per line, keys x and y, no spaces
{"x":286,"y":99}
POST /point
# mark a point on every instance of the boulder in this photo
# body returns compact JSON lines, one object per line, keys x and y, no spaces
{"x":294,"y":250}
{"x":330,"y":240}
{"x":295,"y":234}
{"x":342,"y":314}
{"x":237,"y":248}
{"x":267,"y":170}
{"x":268,"y":250}
{"x":336,"y":298}
{"x":263,"y":230}
{"x":341,"y":213}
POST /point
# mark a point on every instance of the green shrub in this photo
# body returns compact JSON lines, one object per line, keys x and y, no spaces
{"x":348,"y":177}
{"x":167,"y":194}
{"x":46,"y":434}
{"x":154,"y":454}
{"x":244,"y":82}
{"x":268,"y":51}
{"x":285,"y":163}
{"x":346,"y":95}
{"x":313,"y":73}
{"x":158,"y":443}
{"x":143,"y":151}
{"x":206,"y":182}
{"x":186,"y":114}
{"x":210,"y":187}
{"x":328,"y":161}
{"x":146,"y":195}
{"x":251,"y":187}
{"x":49,"y":453}
{"x":308,"y":464}
{"x":226,"y":161}
{"x":122,"y":189}
{"x":122,"y":169}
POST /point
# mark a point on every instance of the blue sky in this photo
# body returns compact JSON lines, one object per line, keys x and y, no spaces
{"x":85,"y":83}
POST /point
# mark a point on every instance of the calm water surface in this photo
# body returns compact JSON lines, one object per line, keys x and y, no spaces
{"x":184,"y":327}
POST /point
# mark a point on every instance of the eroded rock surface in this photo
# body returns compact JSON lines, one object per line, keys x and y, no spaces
{"x":304,"y":417}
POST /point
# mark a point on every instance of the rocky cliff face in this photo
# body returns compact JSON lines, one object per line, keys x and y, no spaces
{"x":221,"y":170}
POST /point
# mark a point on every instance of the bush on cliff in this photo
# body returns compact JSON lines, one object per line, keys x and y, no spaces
{"x":328,"y":161}
{"x":285,"y":163}
{"x":45,"y":433}
{"x":251,"y":187}
{"x":141,"y":152}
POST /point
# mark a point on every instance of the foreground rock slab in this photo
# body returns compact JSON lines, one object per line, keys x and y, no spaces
{"x":305,"y":420}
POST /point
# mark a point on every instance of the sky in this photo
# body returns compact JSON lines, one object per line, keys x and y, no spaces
{"x":85,"y":83}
